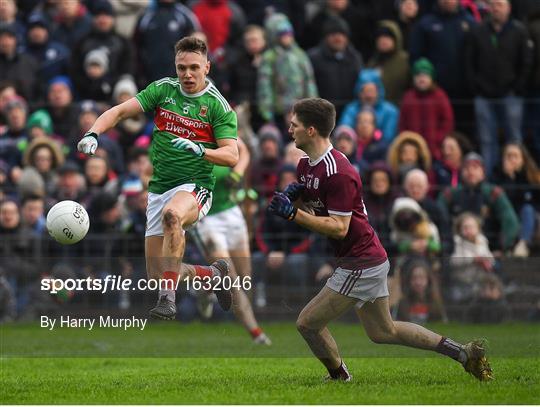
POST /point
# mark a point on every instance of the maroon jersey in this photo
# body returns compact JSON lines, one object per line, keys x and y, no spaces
{"x":333,"y":187}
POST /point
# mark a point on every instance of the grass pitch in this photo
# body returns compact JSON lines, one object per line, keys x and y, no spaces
{"x":171,"y":363}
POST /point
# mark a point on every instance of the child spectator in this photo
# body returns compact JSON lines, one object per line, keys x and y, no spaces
{"x":490,"y":304}
{"x":370,"y":147}
{"x":471,"y":258}
{"x":426,"y":109}
{"x":421,"y":300}
{"x":345,"y":141}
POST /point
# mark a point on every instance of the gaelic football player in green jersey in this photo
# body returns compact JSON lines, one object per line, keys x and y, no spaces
{"x":194,"y":128}
{"x":224,"y":234}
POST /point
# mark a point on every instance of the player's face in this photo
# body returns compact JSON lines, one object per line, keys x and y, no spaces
{"x":192,"y":68}
{"x":298,"y":133}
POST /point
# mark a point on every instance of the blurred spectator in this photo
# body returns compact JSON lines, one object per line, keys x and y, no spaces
{"x":8,"y":17}
{"x":392,"y":61}
{"x":283,"y":244}
{"x":10,"y":218}
{"x":520,"y":178}
{"x":486,"y":200}
{"x":447,"y":170}
{"x":359,"y":17}
{"x":101,"y":56}
{"x":532,"y":113}
{"x":440,"y":36}
{"x":489,"y":305}
{"x":98,"y":180}
{"x":243,"y":66}
{"x":45,"y":155}
{"x":471,"y":258}
{"x":158,"y":29}
{"x":127,"y":13}
{"x":416,"y":186}
{"x":7,"y":92}
{"x":71,"y":184}
{"x":336,"y":63}
{"x":498,"y":64}
{"x":426,"y":109}
{"x":421,"y":299}
{"x":264,"y":170}
{"x":409,"y":150}
{"x":221,"y":20}
{"x":52,"y":56}
{"x":15,"y":66}
{"x":7,"y":300}
{"x":345,"y":140}
{"x":379,"y":196}
{"x":131,"y":128}
{"x":135,"y":202}
{"x":33,"y":215}
{"x":72,"y":22}
{"x":285,"y":73}
{"x":407,"y":17}
{"x":60,"y":107}
{"x":7,"y":187}
{"x":39,"y":124}
{"x":292,"y":154}
{"x":371,"y":147}
{"x":369,"y":92}
{"x":104,"y":210}
{"x":412,"y":231}
{"x":15,"y":133}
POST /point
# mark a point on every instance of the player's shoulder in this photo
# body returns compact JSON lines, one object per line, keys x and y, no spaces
{"x":340,"y":164}
{"x":167,"y":82}
{"x":215,"y":97}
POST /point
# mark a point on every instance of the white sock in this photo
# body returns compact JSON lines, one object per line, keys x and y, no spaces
{"x":171,"y":294}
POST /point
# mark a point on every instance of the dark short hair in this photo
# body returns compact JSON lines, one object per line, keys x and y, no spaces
{"x":316,"y":112}
{"x":191,"y":44}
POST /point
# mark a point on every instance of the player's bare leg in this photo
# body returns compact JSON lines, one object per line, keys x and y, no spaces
{"x":242,"y":308}
{"x":380,"y":328}
{"x":312,"y":323}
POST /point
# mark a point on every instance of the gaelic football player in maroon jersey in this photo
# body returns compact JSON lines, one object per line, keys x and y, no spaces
{"x":328,"y":200}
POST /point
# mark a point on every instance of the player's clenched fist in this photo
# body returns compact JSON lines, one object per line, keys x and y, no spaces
{"x":88,"y":144}
{"x":294,"y":190}
{"x":183,"y":144}
{"x":281,"y":205}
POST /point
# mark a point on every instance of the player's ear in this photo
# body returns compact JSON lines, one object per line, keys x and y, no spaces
{"x":207,"y":68}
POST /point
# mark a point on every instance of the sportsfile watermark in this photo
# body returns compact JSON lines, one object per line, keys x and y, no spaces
{"x":118,"y":283}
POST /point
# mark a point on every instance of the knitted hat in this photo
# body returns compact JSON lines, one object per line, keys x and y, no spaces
{"x":97,"y":57}
{"x":336,"y":25}
{"x":41,"y":119}
{"x":125,"y":84}
{"x":473,"y":158}
{"x":345,"y":131}
{"x":423,"y":66}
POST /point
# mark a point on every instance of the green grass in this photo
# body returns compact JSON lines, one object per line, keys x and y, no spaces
{"x":217,"y":364}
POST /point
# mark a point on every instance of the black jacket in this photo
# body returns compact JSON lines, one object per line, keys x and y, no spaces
{"x":335,"y":74}
{"x":498,"y":64}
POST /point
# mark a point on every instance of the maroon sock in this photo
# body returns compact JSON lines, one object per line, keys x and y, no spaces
{"x":449,"y":348}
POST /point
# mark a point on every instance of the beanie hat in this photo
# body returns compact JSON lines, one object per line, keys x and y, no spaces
{"x":473,"y":158}
{"x":423,"y":65}
{"x":383,"y":30}
{"x":336,"y":25}
{"x":97,"y":57}
{"x":63,"y":80}
{"x":124,"y":85}
{"x":41,"y":119}
{"x":345,"y":131}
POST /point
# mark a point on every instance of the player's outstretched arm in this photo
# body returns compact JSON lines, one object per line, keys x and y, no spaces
{"x":108,"y":119}
{"x":226,"y":154}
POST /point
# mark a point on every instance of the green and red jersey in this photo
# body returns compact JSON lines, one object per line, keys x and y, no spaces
{"x":202,"y":117}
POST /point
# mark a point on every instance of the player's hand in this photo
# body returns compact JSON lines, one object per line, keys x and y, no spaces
{"x":88,"y":144}
{"x":281,"y":205}
{"x":234,"y":180}
{"x":294,"y":190}
{"x":183,"y":144}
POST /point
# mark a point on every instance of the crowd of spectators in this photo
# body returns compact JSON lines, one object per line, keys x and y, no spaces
{"x":436,"y":101}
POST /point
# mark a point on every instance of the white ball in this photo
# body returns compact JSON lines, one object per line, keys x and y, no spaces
{"x":68,"y":222}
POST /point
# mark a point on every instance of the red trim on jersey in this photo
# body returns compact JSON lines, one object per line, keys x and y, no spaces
{"x":185,"y":127}
{"x":196,"y":200}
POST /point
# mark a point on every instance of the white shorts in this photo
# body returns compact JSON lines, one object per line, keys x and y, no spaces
{"x":364,"y":284}
{"x":224,"y":231}
{"x":156,"y":203}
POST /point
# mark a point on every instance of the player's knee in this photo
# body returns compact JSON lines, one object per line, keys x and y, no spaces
{"x":302,"y":325}
{"x":172,"y":219}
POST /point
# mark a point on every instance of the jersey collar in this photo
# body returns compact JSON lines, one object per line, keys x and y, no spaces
{"x":318,"y":160}
{"x":195,"y":95}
